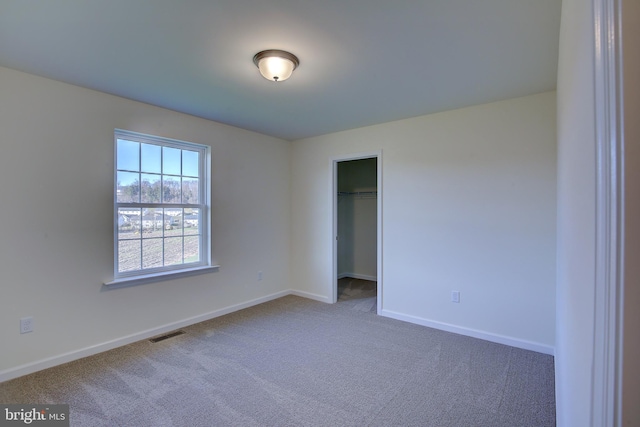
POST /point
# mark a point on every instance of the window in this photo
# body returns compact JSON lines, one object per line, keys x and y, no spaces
{"x":161,"y":206}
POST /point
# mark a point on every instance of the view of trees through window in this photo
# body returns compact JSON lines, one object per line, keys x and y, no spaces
{"x":159,"y":206}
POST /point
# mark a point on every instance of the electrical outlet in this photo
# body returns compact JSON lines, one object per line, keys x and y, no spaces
{"x":259,"y":275}
{"x":455,"y":296}
{"x":26,"y":325}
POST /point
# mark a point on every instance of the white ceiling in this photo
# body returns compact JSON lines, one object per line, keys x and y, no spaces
{"x":361,"y":61}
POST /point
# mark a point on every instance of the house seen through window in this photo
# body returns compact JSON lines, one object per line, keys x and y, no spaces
{"x":161,"y":206}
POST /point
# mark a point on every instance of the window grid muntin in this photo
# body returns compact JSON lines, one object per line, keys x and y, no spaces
{"x":163,"y":226}
{"x":203,"y":245}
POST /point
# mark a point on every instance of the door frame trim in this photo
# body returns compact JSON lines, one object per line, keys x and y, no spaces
{"x":606,"y":393}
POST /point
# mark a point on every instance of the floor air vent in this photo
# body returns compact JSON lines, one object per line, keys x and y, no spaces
{"x":167,"y":336}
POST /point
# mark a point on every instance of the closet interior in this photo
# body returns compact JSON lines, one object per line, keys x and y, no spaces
{"x":357,"y":214}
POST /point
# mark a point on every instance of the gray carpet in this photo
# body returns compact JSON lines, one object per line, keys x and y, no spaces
{"x":358,"y":294}
{"x":297,"y":362}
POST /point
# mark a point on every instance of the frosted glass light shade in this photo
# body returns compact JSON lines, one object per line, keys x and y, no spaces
{"x":276,"y":65}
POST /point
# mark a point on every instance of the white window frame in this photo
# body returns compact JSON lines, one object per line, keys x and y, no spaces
{"x":204,"y":264}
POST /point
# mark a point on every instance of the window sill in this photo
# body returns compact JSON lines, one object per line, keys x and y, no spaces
{"x":158,"y":277}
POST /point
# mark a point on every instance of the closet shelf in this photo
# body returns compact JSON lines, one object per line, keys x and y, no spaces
{"x":358,"y":193}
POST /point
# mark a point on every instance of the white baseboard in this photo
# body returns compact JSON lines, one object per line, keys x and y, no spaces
{"x":309,"y":295}
{"x":487,"y":336}
{"x":358,"y":276}
{"x":49,"y":362}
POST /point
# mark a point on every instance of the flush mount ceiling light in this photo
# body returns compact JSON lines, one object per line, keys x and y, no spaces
{"x":276,"y":65}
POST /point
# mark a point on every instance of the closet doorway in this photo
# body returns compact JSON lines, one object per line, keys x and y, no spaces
{"x":357,"y":207}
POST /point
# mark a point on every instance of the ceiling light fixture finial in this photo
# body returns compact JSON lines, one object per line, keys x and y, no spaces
{"x":276,"y":65}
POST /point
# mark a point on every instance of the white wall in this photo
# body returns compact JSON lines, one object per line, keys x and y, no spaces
{"x":469,"y":204}
{"x":576,"y":216}
{"x":56,"y":178}
{"x":357,"y":220}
